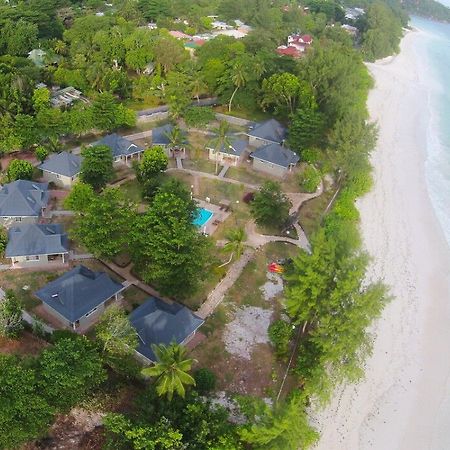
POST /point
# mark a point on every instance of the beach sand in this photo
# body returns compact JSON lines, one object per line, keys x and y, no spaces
{"x":404,"y":400}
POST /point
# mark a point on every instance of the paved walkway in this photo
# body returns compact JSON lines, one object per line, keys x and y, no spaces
{"x":223,"y":171}
{"x":179,"y":163}
{"x":216,"y":296}
{"x":28,"y":318}
{"x":125,"y":273}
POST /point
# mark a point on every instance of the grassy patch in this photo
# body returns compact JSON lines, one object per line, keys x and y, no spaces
{"x":244,"y":113}
{"x":132,"y":190}
{"x":311,"y":212}
{"x":18,"y":279}
{"x":133,"y":297}
{"x":247,"y":175}
{"x":201,"y":165}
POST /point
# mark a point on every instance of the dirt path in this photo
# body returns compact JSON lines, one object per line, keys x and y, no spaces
{"x":216,"y":296}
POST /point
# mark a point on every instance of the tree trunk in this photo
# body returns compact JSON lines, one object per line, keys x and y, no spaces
{"x":231,"y":99}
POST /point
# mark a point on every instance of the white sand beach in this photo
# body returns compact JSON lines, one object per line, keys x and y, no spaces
{"x":404,"y":401}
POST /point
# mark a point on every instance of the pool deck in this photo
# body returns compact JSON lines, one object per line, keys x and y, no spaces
{"x":219,"y":215}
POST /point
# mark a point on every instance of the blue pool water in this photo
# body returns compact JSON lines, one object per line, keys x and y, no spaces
{"x":203,"y":216}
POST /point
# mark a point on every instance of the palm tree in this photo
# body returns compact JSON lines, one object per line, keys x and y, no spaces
{"x":171,"y":370}
{"x":221,"y":140}
{"x":198,"y":86}
{"x":239,"y":79}
{"x":176,"y":137}
{"x":60,"y":47}
{"x":235,"y":245}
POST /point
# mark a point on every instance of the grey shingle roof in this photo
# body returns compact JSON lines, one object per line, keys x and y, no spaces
{"x":119,"y":145}
{"x":78,"y":291}
{"x":36,"y":239}
{"x":276,"y":154}
{"x":159,"y":135}
{"x":238,"y":146}
{"x":64,"y":163}
{"x":158,"y":322}
{"x":23,"y":198}
{"x":270,"y":130}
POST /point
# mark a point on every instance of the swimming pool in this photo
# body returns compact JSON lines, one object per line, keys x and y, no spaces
{"x":203,"y":216}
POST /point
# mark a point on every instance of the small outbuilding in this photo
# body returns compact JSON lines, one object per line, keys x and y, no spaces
{"x":79,"y":297}
{"x":35,"y":244}
{"x":274,"y":159}
{"x":269,"y":132}
{"x":158,"y":322}
{"x":62,"y":168}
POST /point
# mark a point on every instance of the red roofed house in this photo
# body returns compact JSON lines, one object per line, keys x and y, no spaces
{"x":293,"y":52}
{"x":297,"y":44}
{"x":179,"y":35}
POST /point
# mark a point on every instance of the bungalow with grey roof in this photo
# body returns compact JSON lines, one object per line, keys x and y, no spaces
{"x":32,"y":244}
{"x":122,"y":149}
{"x":158,"y":322}
{"x":22,"y":201}
{"x":61,"y":168}
{"x":79,"y":297}
{"x":161,"y":137}
{"x":269,"y":132}
{"x":230,"y":155}
{"x":274,"y":159}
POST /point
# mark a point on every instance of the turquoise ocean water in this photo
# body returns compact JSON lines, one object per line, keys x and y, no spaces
{"x":434,"y":53}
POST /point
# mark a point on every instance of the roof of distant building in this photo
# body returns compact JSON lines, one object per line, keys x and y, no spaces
{"x":23,"y":198}
{"x":160,"y":135}
{"x":78,"y":292}
{"x":158,"y":322}
{"x":64,"y":163}
{"x":119,"y":145}
{"x":36,"y":239}
{"x":271,"y":130}
{"x":179,"y":35}
{"x":289,"y":51}
{"x":276,"y":154}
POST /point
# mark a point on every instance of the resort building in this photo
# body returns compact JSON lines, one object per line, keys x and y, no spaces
{"x":158,"y":322}
{"x":230,"y":155}
{"x":274,"y":159}
{"x":61,"y":168}
{"x":30,"y":245}
{"x":79,"y":297}
{"x":269,"y":132}
{"x":122,"y":149}
{"x":22,"y":201}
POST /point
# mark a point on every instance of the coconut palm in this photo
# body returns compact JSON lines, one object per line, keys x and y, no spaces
{"x":198,"y":87}
{"x":176,"y":137}
{"x":221,"y":140}
{"x":171,"y":370}
{"x":236,"y":243}
{"x":239,"y":78}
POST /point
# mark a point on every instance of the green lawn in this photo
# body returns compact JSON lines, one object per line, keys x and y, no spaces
{"x":247,"y":175}
{"x":132,"y":190}
{"x":32,"y":281}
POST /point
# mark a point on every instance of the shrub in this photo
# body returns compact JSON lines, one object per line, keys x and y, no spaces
{"x":309,"y":179}
{"x":3,"y":240}
{"x":280,"y":334}
{"x":41,"y":153}
{"x":205,"y":380}
{"x":248,"y":197}
{"x":198,"y":116}
{"x":19,"y":170}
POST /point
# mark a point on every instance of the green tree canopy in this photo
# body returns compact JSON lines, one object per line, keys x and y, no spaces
{"x":270,"y":206}
{"x":19,"y":169}
{"x":171,"y":370}
{"x":10,"y":315}
{"x":96,"y":166}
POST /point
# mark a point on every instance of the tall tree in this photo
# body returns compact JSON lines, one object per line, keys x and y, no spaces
{"x":220,"y":140}
{"x":171,"y":370}
{"x":270,"y":206}
{"x":105,"y":223}
{"x":236,"y":243}
{"x":10,"y":315}
{"x":239,"y":77}
{"x":97,"y":166}
{"x":19,"y":169}
{"x":168,"y":248}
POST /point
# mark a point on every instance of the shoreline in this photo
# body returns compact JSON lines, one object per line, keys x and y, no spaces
{"x":399,"y":403}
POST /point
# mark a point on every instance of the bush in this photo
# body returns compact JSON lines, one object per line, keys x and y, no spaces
{"x":309,"y":179}
{"x":280,"y":334}
{"x":19,"y":170}
{"x":248,"y":197}
{"x":41,"y":153}
{"x":205,"y":380}
{"x":3,"y":240}
{"x":198,"y":116}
